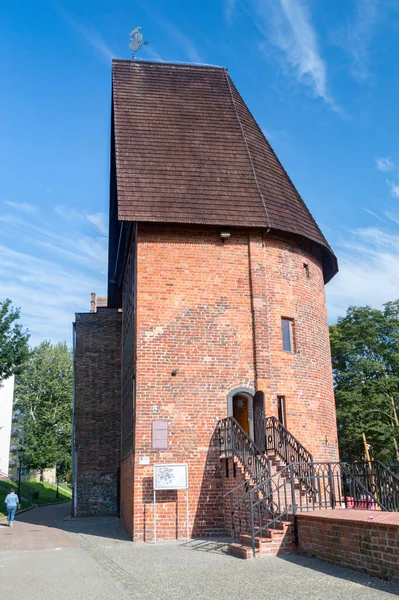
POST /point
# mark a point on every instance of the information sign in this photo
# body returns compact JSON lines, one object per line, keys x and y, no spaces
{"x":170,"y":477}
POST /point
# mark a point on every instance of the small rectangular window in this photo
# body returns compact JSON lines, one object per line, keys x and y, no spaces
{"x":286,"y":328}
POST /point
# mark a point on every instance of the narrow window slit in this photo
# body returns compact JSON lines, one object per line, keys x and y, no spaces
{"x":286,"y":329}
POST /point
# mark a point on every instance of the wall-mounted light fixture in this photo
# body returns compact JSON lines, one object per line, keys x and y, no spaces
{"x":225,"y":235}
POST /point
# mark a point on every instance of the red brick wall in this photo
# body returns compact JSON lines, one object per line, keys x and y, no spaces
{"x":97,"y":410}
{"x":364,"y":545}
{"x":126,"y":513}
{"x":128,"y":388}
{"x":196,"y":301}
{"x":233,"y":477}
{"x":304,"y":377}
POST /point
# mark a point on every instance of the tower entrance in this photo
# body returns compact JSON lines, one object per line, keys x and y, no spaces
{"x":241,"y":411}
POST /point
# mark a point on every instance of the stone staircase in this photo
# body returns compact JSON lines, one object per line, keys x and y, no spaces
{"x":265,"y":488}
{"x":280,"y":536}
{"x":253,"y":468}
{"x":279,"y":541}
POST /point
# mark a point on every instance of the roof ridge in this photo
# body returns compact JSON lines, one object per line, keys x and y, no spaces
{"x":161,"y":63}
{"x":299,"y":196}
{"x":248,"y":152}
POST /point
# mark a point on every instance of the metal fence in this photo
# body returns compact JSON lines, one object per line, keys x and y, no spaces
{"x":27,"y":492}
{"x":257,"y":508}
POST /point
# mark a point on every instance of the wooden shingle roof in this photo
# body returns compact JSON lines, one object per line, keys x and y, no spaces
{"x":188,"y":150}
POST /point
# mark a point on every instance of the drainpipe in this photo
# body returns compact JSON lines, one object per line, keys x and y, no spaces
{"x":254,"y":339}
{"x":262,"y":361}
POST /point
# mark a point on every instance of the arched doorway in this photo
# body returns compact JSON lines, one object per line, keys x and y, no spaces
{"x":240,"y":406}
{"x":241,"y":411}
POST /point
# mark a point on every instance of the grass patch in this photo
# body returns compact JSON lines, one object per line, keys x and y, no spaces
{"x":5,"y":487}
{"x":47,"y":493}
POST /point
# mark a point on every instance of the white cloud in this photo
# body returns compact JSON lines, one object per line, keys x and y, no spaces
{"x":21,"y":206}
{"x":183,"y":41}
{"x":373,"y":214}
{"x":48,"y":294}
{"x":149,"y":52}
{"x":96,"y":41}
{"x":356,"y":37}
{"x":287,"y":25}
{"x":48,"y":267}
{"x":384,"y":164}
{"x":99,"y":220}
{"x":394,"y":188}
{"x":65,"y":212}
{"x":392,"y":217}
{"x":90,"y":35}
{"x":369,"y":271}
{"x":229,"y":8}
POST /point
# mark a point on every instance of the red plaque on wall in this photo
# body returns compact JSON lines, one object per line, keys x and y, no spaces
{"x":160,"y":434}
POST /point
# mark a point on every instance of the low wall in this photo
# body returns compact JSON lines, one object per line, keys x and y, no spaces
{"x":363,"y":540}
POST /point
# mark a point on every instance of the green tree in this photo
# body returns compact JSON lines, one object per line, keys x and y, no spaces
{"x":44,"y":397}
{"x":14,"y":349}
{"x":365,"y":357}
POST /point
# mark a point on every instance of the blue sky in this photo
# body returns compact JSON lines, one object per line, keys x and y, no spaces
{"x":320,"y":78}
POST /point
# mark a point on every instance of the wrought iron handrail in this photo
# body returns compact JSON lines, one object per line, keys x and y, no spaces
{"x":234,"y":442}
{"x":268,"y":504}
{"x":243,"y":507}
{"x":279,"y":439}
{"x":290,"y":450}
{"x":380,"y":480}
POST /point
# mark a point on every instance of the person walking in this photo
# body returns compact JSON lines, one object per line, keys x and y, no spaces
{"x":12,"y":502}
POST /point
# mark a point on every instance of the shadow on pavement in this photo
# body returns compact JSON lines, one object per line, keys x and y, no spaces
{"x":58,"y":516}
{"x":341,"y":572}
{"x":111,"y":528}
{"x":209,"y":545}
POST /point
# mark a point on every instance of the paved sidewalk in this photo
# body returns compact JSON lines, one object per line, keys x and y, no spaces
{"x":36,"y":529}
{"x":96,"y":560}
{"x":39,"y":561}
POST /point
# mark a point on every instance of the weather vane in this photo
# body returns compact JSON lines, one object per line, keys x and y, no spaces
{"x":136,"y":41}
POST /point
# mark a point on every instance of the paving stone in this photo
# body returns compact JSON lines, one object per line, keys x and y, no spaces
{"x":98,"y":561}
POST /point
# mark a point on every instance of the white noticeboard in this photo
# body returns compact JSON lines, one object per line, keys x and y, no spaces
{"x":170,"y":477}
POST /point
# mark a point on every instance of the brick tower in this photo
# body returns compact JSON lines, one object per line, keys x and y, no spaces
{"x":215,"y":300}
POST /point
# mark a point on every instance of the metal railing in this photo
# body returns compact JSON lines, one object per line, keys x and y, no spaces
{"x":380,"y":480}
{"x":27,"y":492}
{"x":234,"y":442}
{"x":271,"y":503}
{"x":281,"y":441}
{"x":264,"y":502}
{"x":284,"y":444}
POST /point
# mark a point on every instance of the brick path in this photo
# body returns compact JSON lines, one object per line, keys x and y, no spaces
{"x":36,"y":530}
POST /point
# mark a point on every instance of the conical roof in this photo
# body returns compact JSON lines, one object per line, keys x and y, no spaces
{"x":186,"y":149}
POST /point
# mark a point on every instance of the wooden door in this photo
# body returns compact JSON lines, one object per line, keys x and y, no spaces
{"x":241,"y":411}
